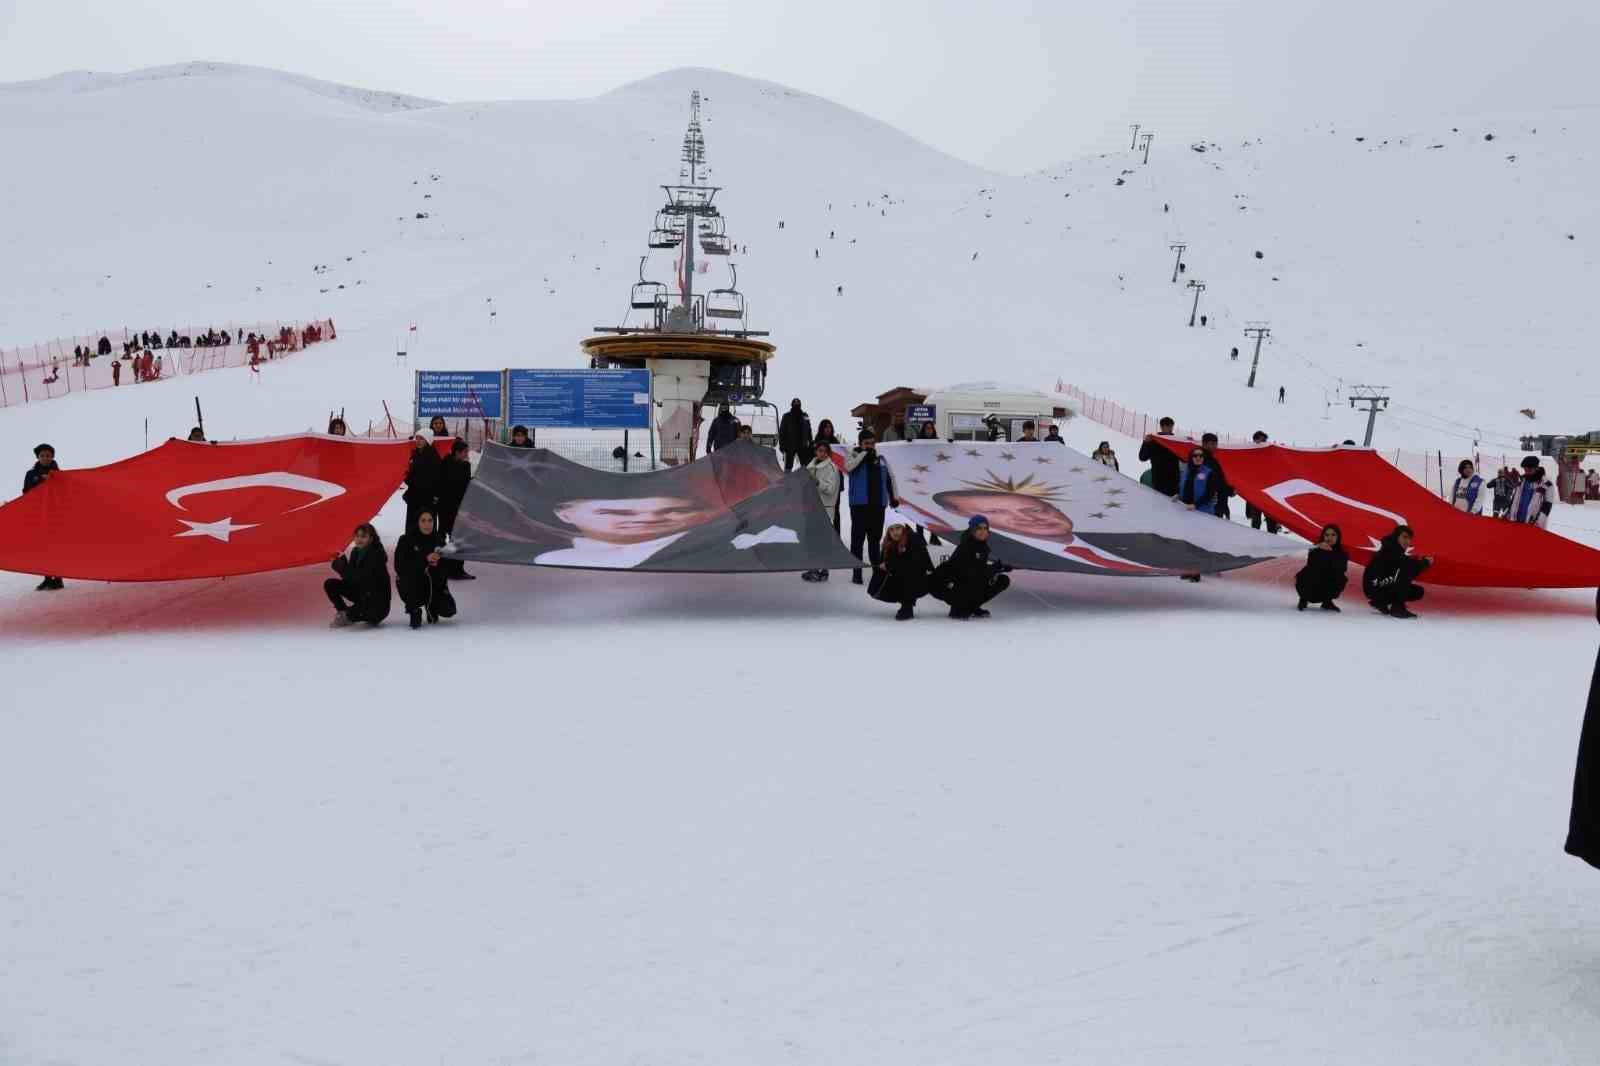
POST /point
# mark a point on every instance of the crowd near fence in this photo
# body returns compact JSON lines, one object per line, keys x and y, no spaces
{"x":49,"y":370}
{"x":1435,"y":471}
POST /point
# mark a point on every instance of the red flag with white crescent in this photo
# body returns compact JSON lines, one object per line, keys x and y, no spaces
{"x":191,"y":510}
{"x":1357,"y":490}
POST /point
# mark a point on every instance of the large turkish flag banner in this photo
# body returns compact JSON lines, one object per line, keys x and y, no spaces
{"x":189,"y":510}
{"x":1366,"y":497}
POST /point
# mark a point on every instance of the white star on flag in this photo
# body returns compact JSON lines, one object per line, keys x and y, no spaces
{"x":218,"y":530}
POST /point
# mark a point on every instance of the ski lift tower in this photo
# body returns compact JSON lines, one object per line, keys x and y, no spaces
{"x":698,"y":346}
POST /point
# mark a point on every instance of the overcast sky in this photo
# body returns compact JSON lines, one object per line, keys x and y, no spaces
{"x":1009,"y":84}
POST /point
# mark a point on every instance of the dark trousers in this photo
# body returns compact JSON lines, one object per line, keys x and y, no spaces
{"x":970,"y":597}
{"x":341,"y":593}
{"x":866,"y":525}
{"x":1317,"y":590}
{"x":789,"y":459}
{"x":1256,"y":516}
{"x":1396,"y":595}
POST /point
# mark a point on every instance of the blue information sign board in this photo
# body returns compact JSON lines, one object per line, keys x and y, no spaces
{"x":580,"y":399}
{"x":918,"y":413}
{"x":459,"y":394}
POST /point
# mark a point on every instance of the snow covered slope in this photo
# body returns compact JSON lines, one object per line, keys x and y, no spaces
{"x":603,"y":818}
{"x":1422,"y":258}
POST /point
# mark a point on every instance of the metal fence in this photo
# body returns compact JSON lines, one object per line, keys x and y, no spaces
{"x":1435,"y":471}
{"x":49,"y":370}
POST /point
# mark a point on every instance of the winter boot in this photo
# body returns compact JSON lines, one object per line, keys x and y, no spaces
{"x":1381,"y":608}
{"x":1302,"y":605}
{"x":416,"y":618}
{"x":433,"y":616}
{"x":903,"y":614}
{"x":1192,"y":577}
{"x":959,"y":615}
{"x":1329,"y":605}
{"x":57,"y":584}
{"x":46,"y":585}
{"x":822,"y":575}
{"x":856,"y":578}
{"x":809,"y":575}
{"x":1400,"y":610}
{"x":340,"y":620}
{"x":979,"y":612}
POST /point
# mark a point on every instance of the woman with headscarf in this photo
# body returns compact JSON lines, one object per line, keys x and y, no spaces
{"x":1324,"y":576}
{"x":420,"y":573}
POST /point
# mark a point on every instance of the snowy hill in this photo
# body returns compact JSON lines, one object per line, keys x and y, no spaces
{"x":207,"y":192}
{"x":618,"y":817}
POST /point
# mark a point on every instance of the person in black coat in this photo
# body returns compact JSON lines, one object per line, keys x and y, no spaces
{"x":794,"y":436}
{"x":520,"y":438}
{"x":1208,"y":444}
{"x":724,"y":430}
{"x":902,"y":576}
{"x":455,"y":474}
{"x":969,"y":578}
{"x":361,"y":591}
{"x":422,"y":479}
{"x":1163,"y":462}
{"x":1390,"y":580}
{"x":1583,"y":827}
{"x":1325,"y":574}
{"x":420,"y":573}
{"x":44,"y":464}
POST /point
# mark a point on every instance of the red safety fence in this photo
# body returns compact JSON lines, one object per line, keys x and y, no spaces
{"x":1434,"y":471}
{"x":50,"y":370}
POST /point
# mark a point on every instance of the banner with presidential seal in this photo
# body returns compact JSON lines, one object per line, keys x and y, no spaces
{"x":1052,"y":508}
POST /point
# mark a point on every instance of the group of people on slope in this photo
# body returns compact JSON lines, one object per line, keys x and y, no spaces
{"x":1526,"y":497}
{"x":902,"y":569}
{"x":1389,"y":582}
{"x":423,"y":568}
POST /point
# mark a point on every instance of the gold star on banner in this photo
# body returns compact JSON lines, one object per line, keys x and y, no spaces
{"x":1101,"y":480}
{"x":921,"y":469}
{"x":1007,"y":456}
{"x":973,"y":453}
{"x":1042,"y":460}
{"x":941,"y":457}
{"x":1097,"y":514}
{"x":1113,"y":503}
{"x":1115,"y":492}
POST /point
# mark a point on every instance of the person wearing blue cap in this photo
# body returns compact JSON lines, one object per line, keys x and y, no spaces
{"x":969,"y":578}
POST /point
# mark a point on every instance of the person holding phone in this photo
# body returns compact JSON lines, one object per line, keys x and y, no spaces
{"x":1326,"y":571}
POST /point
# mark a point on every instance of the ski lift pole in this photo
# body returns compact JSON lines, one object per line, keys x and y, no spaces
{"x":199,"y":419}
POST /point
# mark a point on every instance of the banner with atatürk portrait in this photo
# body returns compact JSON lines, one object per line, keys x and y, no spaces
{"x":733,"y":511}
{"x":1052,"y":508}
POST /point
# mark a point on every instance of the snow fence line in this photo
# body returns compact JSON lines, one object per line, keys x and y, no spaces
{"x":45,"y":371}
{"x":1434,"y":471}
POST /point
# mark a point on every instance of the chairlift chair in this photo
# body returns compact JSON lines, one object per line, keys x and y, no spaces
{"x":728,"y":302}
{"x":646,"y":294}
{"x":665,"y":238}
{"x":715,"y":245}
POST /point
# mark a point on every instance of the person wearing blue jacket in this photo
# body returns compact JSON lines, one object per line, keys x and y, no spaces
{"x":1197,"y":484}
{"x":1467,"y":492}
{"x":871,"y":494}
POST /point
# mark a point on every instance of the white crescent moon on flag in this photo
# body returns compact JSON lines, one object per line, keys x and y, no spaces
{"x":274,"y":479}
{"x":1301,"y":487}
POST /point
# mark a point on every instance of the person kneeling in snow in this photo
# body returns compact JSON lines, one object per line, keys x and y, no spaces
{"x":419,"y":576}
{"x":969,"y":578}
{"x":1325,"y":574}
{"x":902,"y":576}
{"x":1390,"y":580}
{"x":363,"y":580}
